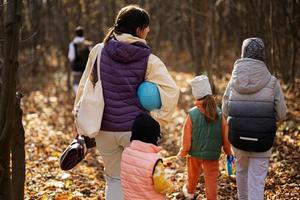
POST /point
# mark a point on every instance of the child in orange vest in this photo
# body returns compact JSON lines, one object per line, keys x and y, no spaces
{"x":204,"y":133}
{"x":142,"y":170}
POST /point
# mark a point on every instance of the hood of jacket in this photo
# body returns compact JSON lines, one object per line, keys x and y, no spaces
{"x":249,"y":75}
{"x":127,"y":52}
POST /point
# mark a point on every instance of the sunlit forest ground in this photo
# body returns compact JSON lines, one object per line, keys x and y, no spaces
{"x":48,"y":123}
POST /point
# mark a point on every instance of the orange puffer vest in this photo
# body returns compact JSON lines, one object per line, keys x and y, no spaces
{"x":137,"y":165}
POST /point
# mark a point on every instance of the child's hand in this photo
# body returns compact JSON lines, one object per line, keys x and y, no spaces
{"x":169,"y":164}
{"x":182,"y":153}
{"x":230,"y":158}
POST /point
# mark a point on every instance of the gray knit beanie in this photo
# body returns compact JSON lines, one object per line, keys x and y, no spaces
{"x":253,"y":48}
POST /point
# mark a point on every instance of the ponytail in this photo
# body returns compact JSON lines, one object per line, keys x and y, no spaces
{"x":128,"y":20}
{"x":210,"y":107}
{"x":109,"y":35}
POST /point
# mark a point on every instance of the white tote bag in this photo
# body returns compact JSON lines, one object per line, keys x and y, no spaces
{"x":89,"y":110}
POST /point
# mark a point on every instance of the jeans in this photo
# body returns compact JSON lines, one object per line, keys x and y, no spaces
{"x":111,"y":145}
{"x":250,"y":176}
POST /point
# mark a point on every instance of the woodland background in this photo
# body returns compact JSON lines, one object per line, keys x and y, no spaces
{"x":192,"y":37}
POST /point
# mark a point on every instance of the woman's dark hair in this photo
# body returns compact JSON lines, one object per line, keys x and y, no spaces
{"x":210,"y":107}
{"x":145,"y":129}
{"x":128,"y":20}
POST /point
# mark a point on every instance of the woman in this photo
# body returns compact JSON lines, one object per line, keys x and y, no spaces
{"x":126,"y":61}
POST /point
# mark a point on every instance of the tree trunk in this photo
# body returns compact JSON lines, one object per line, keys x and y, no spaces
{"x":18,"y":152}
{"x":64,"y":41}
{"x":1,"y":34}
{"x":35,"y":20}
{"x":8,"y":92}
{"x":196,"y":46}
{"x":211,"y":43}
{"x":1,"y":18}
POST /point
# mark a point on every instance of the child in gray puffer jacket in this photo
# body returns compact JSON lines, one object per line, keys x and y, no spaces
{"x":253,"y":102}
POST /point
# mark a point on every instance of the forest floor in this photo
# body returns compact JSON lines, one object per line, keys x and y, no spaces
{"x":48,"y":123}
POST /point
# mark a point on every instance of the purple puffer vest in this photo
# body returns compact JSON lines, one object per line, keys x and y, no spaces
{"x":123,"y":68}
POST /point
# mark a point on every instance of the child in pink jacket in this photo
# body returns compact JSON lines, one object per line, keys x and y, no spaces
{"x":142,"y":170}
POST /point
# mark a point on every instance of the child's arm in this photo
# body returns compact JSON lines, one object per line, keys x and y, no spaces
{"x":162,"y":183}
{"x":225,"y":142}
{"x":186,"y":138}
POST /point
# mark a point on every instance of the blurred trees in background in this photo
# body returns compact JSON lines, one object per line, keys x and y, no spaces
{"x":194,"y":35}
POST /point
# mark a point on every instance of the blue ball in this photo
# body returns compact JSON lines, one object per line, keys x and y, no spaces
{"x":149,"y":96}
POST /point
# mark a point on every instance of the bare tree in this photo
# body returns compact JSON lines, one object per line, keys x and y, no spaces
{"x":18,"y":152}
{"x":8,"y":91}
{"x":1,"y":32}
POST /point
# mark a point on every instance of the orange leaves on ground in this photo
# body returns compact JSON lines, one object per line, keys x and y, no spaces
{"x":48,"y":125}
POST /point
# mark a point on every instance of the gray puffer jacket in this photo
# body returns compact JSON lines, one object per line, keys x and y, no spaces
{"x":253,"y":102}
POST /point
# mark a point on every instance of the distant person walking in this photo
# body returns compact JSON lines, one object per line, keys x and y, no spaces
{"x":253,"y":102}
{"x":126,"y":61}
{"x":79,"y":50}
